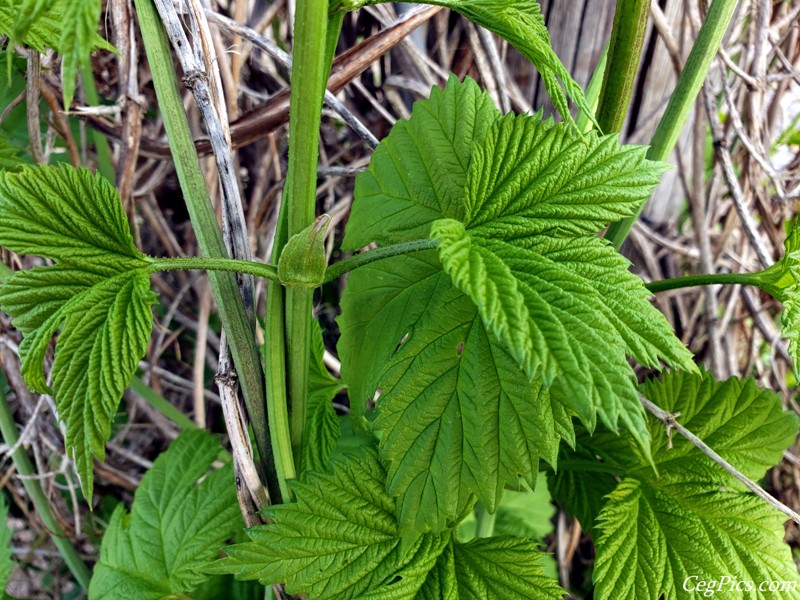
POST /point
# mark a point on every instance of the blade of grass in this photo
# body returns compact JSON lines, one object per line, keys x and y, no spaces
{"x":24,"y":467}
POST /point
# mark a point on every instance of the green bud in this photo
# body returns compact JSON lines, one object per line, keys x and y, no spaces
{"x":303,"y":261}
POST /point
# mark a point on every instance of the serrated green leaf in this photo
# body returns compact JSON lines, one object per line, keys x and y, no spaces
{"x":516,"y":223}
{"x":340,"y":540}
{"x":77,"y":40}
{"x":6,"y":561}
{"x":563,"y":300}
{"x":691,"y":519}
{"x":457,"y":416}
{"x":35,"y":23}
{"x":521,"y":23}
{"x":68,"y":215}
{"x":501,"y":568}
{"x":420,"y":175}
{"x":322,"y":424}
{"x":782,"y":281}
{"x":180,"y":518}
{"x":379,"y":306}
{"x":67,"y":26}
{"x":98,"y":294}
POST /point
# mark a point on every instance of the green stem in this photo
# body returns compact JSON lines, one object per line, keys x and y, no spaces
{"x":277,"y":404}
{"x":625,"y":48}
{"x":359,"y":260}
{"x":223,"y":284}
{"x":484,"y":526}
{"x":232,"y":265}
{"x":695,"y":280}
{"x":309,"y":77}
{"x":682,"y":100}
{"x":24,"y":467}
{"x":275,"y":370}
{"x":104,"y":163}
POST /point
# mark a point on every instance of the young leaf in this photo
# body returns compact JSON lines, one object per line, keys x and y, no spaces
{"x":691,"y":519}
{"x":303,"y":260}
{"x":521,"y":23}
{"x":67,"y":26}
{"x":526,"y":254}
{"x":420,"y":175}
{"x":176,"y":525}
{"x":782,"y":281}
{"x":340,"y":540}
{"x":78,"y":34}
{"x":322,"y":426}
{"x":490,"y":568}
{"x":6,"y":562}
{"x":98,"y":293}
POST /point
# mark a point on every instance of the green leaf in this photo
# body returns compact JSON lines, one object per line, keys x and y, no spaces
{"x":340,"y":540}
{"x":6,"y":561}
{"x":490,"y":568}
{"x":521,"y":23}
{"x":35,"y":23}
{"x":180,"y":518}
{"x":98,"y":294}
{"x":782,"y":281}
{"x":420,"y":175}
{"x":67,"y":26}
{"x":77,"y":40}
{"x":561,"y":298}
{"x":457,"y":417}
{"x":322,"y":425}
{"x":515,"y":203}
{"x":9,"y":156}
{"x":522,"y":512}
{"x":692,"y":519}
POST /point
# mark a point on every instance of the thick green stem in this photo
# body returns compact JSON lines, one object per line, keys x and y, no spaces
{"x":223,"y":284}
{"x":359,"y":260}
{"x":695,"y":280}
{"x":680,"y":104}
{"x":625,"y":48}
{"x":229,"y":265}
{"x":24,"y":467}
{"x":484,"y":526}
{"x":309,"y":76}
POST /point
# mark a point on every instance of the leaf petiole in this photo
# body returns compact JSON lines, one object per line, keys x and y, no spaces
{"x":360,"y":260}
{"x":710,"y":279}
{"x":268,"y":271}
{"x":263,"y":270}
